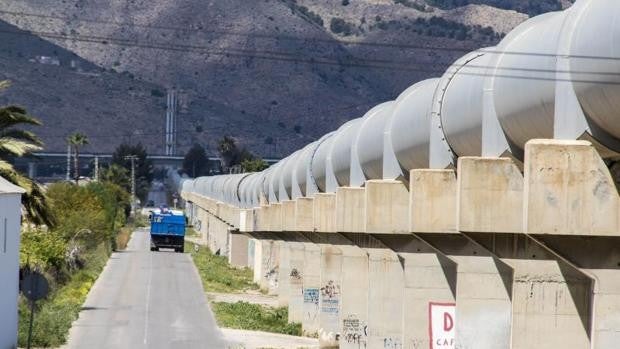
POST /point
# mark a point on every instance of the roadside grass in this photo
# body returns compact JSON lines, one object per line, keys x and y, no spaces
{"x":254,"y":317}
{"x":122,"y":238}
{"x":55,"y":314}
{"x":217,"y":275}
{"x":190,"y":232}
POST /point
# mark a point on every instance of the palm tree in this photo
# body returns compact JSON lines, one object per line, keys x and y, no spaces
{"x":77,"y":140}
{"x":15,"y":142}
{"x":227,"y":147}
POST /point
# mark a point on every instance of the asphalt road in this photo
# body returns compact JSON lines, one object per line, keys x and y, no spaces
{"x":157,"y":194}
{"x":146,"y":299}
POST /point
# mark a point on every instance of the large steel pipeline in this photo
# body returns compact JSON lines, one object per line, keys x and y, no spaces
{"x":554,"y":76}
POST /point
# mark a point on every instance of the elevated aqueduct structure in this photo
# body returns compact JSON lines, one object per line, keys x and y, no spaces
{"x":474,"y":211}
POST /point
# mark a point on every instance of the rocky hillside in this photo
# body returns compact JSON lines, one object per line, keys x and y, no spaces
{"x":275,"y":74}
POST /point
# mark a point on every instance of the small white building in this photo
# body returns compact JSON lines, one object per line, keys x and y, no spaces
{"x":10,"y":223}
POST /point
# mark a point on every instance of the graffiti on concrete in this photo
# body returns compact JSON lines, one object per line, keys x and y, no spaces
{"x":330,"y":298}
{"x":272,"y":277}
{"x":354,"y":332}
{"x":442,"y":317}
{"x":311,"y":296}
{"x":419,"y":343}
{"x":311,"y":303}
{"x":392,"y":343}
{"x":331,"y":290}
{"x":295,"y":274}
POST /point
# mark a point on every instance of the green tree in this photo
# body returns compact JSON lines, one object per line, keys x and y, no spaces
{"x":254,"y":165}
{"x":231,"y":154}
{"x":16,"y":142}
{"x":117,"y":175}
{"x":144,"y":167}
{"x":77,"y":140}
{"x":196,"y":162}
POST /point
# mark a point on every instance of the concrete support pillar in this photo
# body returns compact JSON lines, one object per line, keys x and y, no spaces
{"x":551,"y":298}
{"x":354,"y":295}
{"x":238,"y":255}
{"x":384,"y":325}
{"x":266,"y":265}
{"x":483,"y":293}
{"x":429,"y":287}
{"x":251,"y":253}
{"x":573,"y":207}
{"x":311,"y":289}
{"x":333,"y":248}
{"x":284,"y":271}
{"x":296,"y":285}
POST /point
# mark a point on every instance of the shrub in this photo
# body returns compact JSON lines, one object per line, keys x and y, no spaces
{"x":340,"y":26}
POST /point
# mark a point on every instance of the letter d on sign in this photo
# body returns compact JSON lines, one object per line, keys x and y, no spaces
{"x":448,"y":322}
{"x":441,"y":325}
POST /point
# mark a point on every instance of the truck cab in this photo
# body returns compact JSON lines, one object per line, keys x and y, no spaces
{"x":167,"y":229}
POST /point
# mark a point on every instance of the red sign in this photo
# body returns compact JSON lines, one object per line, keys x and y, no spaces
{"x":441,"y":317}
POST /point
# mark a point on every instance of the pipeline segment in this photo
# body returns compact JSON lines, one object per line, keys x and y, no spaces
{"x":556,"y":75}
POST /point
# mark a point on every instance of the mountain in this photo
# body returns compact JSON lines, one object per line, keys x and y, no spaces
{"x":275,"y":74}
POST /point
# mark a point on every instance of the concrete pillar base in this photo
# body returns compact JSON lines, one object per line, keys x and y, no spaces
{"x":551,"y":298}
{"x":483,"y":293}
{"x":430,"y":286}
{"x":238,"y":255}
{"x":385,"y":293}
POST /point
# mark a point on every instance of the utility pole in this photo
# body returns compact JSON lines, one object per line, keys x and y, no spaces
{"x":96,"y":168}
{"x":68,"y":178}
{"x":133,"y":159}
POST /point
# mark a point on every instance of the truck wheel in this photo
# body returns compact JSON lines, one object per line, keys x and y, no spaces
{"x":181,"y":249}
{"x":154,"y":248}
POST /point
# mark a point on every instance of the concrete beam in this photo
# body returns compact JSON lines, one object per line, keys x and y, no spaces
{"x":489,"y":195}
{"x":325,"y":212}
{"x":288,"y":215}
{"x":432,"y":201}
{"x":387,"y":207}
{"x":569,"y":190}
{"x":246,"y":220}
{"x":350,"y":209}
{"x":304,"y":214}
{"x":275,"y":217}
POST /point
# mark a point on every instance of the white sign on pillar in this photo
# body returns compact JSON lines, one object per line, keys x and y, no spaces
{"x":442,"y":317}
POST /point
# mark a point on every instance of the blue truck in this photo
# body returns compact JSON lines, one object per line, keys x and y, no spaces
{"x":167,"y":229}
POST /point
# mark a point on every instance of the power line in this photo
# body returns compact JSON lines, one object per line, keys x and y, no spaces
{"x":300,"y":59}
{"x":241,"y":34}
{"x":242,"y":53}
{"x":488,"y":50}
